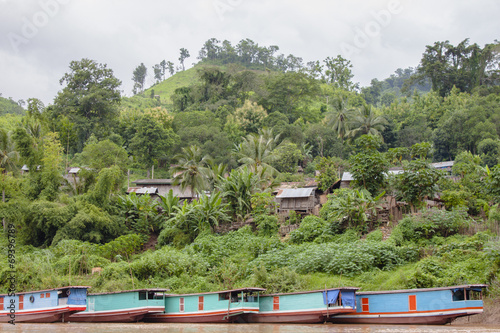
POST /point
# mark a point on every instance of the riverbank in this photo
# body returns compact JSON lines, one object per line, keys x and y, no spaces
{"x":490,"y":315}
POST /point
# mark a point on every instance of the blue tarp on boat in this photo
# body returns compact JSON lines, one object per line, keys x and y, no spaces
{"x":330,"y":296}
{"x":77,"y":296}
{"x":348,"y":298}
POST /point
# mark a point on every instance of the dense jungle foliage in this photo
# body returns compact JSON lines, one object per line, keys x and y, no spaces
{"x":228,"y":131}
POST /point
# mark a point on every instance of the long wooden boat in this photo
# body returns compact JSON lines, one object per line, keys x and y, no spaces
{"x":43,"y":306}
{"x":431,"y":306}
{"x":304,"y":307}
{"x":227,"y":306}
{"x":122,"y":306}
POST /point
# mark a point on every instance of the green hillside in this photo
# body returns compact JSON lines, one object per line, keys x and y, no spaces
{"x":166,"y":88}
{"x":9,"y":106}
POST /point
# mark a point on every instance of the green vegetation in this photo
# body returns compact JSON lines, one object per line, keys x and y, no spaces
{"x":228,"y":131}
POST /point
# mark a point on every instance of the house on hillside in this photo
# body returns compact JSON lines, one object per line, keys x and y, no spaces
{"x":26,"y":169}
{"x":346,"y":180}
{"x":447,"y":165}
{"x":152,"y":191}
{"x":160,"y":187}
{"x":301,"y":200}
{"x":347,"y":177}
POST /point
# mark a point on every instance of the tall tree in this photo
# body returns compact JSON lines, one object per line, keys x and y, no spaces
{"x":238,"y":188}
{"x":151,"y":141}
{"x":247,"y":50}
{"x":257,"y":150}
{"x":340,"y":118}
{"x":287,"y":92}
{"x":157,"y":72}
{"x":8,"y":155}
{"x":369,"y":166}
{"x":419,"y":179}
{"x":163,"y":66}
{"x":170,"y":67}
{"x":210,"y":49}
{"x":139,"y":77}
{"x":191,"y":170}
{"x":365,"y":121}
{"x":103,"y":154}
{"x":463,"y":66}
{"x":338,"y":73}
{"x":184,"y":54}
{"x":8,"y":159}
{"x":90,"y":99}
{"x":52,"y":165}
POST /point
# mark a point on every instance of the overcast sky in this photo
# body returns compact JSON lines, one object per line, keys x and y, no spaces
{"x":39,"y":38}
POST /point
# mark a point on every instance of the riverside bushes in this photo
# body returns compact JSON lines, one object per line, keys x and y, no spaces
{"x":246,"y":258}
{"x":430,"y":223}
{"x":347,"y":259}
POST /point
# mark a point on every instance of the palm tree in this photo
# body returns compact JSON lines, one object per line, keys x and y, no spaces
{"x":191,"y":169}
{"x":209,"y":211}
{"x":237,"y":190}
{"x":217,"y":172}
{"x":8,"y":158}
{"x":257,"y":150}
{"x":341,"y":117}
{"x":367,"y":122}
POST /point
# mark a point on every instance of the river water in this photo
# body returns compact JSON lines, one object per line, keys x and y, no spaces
{"x":239,"y":328}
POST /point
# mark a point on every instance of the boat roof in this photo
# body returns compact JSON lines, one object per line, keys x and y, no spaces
{"x":221,"y":292}
{"x":468,"y":286}
{"x":45,"y":290}
{"x":313,"y":291}
{"x":131,"y":291}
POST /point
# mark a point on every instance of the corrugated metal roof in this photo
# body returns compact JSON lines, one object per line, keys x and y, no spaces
{"x":176,"y":191}
{"x":74,"y":170}
{"x":296,"y":193}
{"x":143,"y":190}
{"x":347,"y":177}
{"x":446,"y":164}
{"x":154,"y":181}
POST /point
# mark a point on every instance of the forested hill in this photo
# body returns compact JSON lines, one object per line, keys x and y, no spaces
{"x":237,"y":125}
{"x":9,"y":106}
{"x":245,"y":87}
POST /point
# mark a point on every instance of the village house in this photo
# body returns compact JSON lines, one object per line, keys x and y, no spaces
{"x":300,"y":200}
{"x":157,"y":187}
{"x":301,"y":197}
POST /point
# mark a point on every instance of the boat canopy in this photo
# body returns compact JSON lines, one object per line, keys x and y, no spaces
{"x":330,"y":296}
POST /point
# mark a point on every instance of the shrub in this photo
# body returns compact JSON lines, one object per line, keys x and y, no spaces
{"x":267,"y":225}
{"x":310,"y":228}
{"x":347,"y":259}
{"x":375,"y":236}
{"x":494,"y":219}
{"x":293,"y":217}
{"x":124,"y":246}
{"x":432,"y":222}
{"x":282,"y":280}
{"x":348,"y":208}
{"x":167,"y":262}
